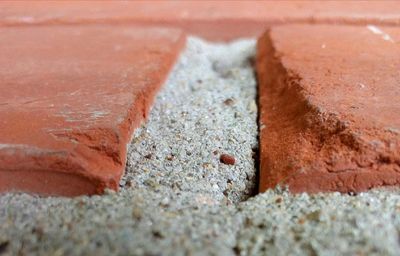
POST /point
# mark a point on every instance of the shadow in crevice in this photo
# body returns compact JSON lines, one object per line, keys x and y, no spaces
{"x":256,"y":150}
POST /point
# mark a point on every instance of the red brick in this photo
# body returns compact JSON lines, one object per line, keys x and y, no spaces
{"x":216,"y":20}
{"x":330,"y":112}
{"x":69,"y":100}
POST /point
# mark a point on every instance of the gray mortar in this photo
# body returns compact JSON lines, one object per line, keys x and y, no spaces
{"x":167,"y":207}
{"x":207,"y":108}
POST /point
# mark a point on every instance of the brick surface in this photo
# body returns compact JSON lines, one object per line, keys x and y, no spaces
{"x":330,"y":112}
{"x":69,"y":100}
{"x":216,"y":20}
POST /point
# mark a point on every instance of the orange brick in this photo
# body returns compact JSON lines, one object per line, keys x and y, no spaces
{"x":215,"y":20}
{"x":69,"y":100}
{"x":329,"y":107}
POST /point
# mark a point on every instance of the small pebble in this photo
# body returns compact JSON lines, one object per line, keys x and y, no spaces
{"x":227,"y":159}
{"x":229,"y":102}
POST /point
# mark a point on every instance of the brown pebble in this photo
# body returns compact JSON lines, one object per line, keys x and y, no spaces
{"x":227,"y":159}
{"x":229,"y":102}
{"x":128,"y":183}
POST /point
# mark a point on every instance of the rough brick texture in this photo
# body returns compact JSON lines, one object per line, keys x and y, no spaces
{"x":216,"y":20}
{"x":69,"y":99}
{"x":330,"y":112}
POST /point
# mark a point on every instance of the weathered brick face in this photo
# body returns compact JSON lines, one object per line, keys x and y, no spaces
{"x":329,"y":107}
{"x":70,"y":98}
